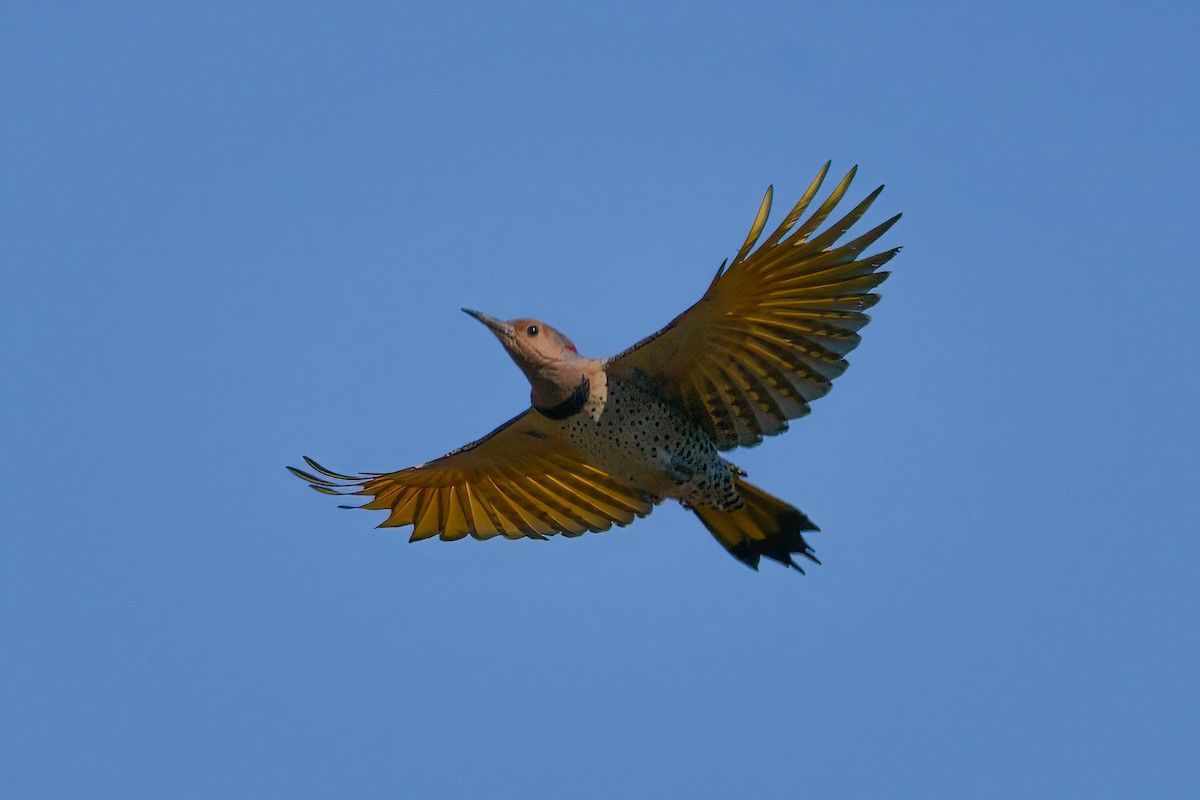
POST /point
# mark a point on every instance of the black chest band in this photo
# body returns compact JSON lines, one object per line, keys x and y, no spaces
{"x":572,"y":405}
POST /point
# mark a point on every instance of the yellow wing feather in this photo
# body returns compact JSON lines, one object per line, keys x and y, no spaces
{"x":520,"y":480}
{"x":772,"y":331}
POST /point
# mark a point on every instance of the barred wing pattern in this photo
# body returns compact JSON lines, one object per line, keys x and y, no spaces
{"x":519,"y":480}
{"x":772,"y":331}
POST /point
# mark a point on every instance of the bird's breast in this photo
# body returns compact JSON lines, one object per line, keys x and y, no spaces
{"x":629,"y":432}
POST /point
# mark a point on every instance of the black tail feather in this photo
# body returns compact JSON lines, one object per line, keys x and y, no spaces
{"x":763,"y":526}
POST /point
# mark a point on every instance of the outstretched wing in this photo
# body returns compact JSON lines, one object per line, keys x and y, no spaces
{"x":772,"y":331}
{"x":519,"y":480}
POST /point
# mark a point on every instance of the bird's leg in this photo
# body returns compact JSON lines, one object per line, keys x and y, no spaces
{"x":735,"y":469}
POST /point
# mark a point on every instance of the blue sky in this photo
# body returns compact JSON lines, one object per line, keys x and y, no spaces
{"x":237,"y":233}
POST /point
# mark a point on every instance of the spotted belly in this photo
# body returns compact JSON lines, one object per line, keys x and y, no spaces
{"x":627,"y":431}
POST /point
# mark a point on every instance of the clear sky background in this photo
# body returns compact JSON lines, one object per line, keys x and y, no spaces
{"x":235,"y":233}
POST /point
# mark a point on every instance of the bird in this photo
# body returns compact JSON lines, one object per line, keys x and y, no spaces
{"x":605,"y":440}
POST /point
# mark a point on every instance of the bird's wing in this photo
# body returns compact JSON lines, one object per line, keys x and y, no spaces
{"x":519,"y":480}
{"x":771,"y":333}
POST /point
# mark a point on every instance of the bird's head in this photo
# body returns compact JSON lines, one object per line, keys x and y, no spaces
{"x":547,"y":357}
{"x":539,"y":349}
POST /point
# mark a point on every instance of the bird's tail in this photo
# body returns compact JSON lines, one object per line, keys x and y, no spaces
{"x":763,"y":526}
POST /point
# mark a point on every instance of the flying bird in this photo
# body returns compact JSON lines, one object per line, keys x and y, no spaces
{"x":605,"y":440}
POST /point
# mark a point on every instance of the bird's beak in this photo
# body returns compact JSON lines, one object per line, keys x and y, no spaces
{"x":501,"y":329}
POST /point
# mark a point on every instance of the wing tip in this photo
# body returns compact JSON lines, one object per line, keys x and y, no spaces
{"x":330,"y":473}
{"x":299,"y":473}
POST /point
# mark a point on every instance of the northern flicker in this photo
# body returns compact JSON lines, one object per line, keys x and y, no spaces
{"x":605,"y":440}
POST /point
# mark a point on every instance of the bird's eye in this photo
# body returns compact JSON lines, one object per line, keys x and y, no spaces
{"x":532,"y":330}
